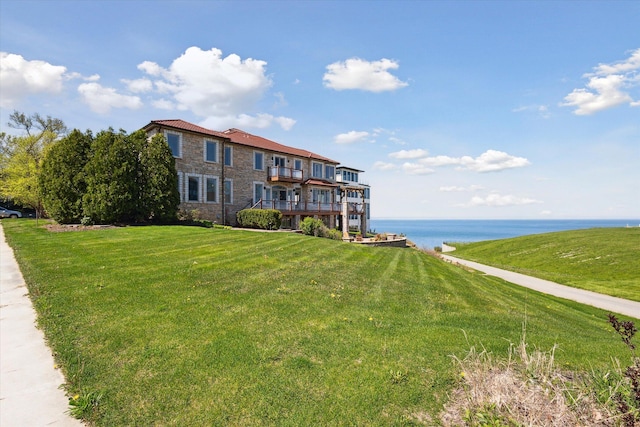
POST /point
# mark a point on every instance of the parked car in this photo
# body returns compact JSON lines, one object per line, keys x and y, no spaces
{"x":8,"y":213}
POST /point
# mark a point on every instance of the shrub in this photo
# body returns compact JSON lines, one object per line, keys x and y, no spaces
{"x":312,"y":227}
{"x":265,"y":219}
{"x":315,"y":227}
{"x":334,"y":234}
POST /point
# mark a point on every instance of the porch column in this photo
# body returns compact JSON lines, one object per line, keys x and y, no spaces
{"x":345,"y":215}
{"x":363,"y":216}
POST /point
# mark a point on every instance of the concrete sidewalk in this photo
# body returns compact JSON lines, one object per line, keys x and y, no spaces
{"x":29,"y":383}
{"x":605,"y":302}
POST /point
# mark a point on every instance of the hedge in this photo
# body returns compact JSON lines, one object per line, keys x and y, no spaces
{"x":266,"y":219}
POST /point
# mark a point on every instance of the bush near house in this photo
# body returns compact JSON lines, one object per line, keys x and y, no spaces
{"x":315,"y":227}
{"x":266,"y":219}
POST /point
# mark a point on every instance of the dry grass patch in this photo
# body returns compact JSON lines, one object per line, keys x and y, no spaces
{"x":526,"y":389}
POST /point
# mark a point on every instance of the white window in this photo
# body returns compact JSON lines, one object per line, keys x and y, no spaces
{"x":316,"y":170}
{"x":228,"y":191}
{"x":228,"y":156}
{"x":258,"y":160}
{"x":211,"y":151}
{"x":279,"y":161}
{"x":211,"y":189}
{"x":193,"y":188}
{"x":297,"y":164}
{"x":175,"y":143}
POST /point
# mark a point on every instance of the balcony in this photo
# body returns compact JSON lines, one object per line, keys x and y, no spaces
{"x":283,"y":174}
{"x":307,"y":208}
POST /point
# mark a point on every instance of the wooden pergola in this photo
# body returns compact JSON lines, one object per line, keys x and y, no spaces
{"x":344,"y":191}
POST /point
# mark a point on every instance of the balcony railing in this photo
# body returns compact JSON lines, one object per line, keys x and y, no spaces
{"x":281,"y":173}
{"x":290,"y":206}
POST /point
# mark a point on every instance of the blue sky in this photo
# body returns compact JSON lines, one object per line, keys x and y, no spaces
{"x":456,"y":109}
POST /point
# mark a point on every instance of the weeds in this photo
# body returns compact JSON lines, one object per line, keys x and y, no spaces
{"x":627,"y":399}
{"x":528,"y":389}
{"x":82,"y":406}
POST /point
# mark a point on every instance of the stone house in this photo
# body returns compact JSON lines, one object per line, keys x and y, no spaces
{"x":221,"y":173}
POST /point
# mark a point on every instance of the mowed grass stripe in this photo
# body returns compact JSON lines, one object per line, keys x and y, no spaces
{"x":189,"y":326}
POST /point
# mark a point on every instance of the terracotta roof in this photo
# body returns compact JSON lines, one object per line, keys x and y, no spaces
{"x":241,"y":137}
{"x":182,"y":125}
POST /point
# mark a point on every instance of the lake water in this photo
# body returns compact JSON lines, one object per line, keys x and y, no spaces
{"x":431,"y":233}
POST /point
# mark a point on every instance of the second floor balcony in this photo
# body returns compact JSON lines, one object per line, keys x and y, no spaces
{"x":283,"y":174}
{"x":300,"y":208}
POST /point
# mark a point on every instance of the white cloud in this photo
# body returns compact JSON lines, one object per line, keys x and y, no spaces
{"x":608,"y":87}
{"x":163,"y":104}
{"x":454,"y":188}
{"x":260,"y":121}
{"x":102,"y":99}
{"x":416,"y":169}
{"x":138,"y":85}
{"x":492,"y":160}
{"x":350,"y":137}
{"x":409,"y":154}
{"x":356,"y":73}
{"x":223,"y":90}
{"x":630,"y":64}
{"x":384,"y":166}
{"x":489,"y":161}
{"x":540,"y":110}
{"x":497,"y":200}
{"x":397,"y":140}
{"x":20,"y":78}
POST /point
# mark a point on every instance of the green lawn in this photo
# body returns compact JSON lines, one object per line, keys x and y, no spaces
{"x":605,"y":260}
{"x":190,"y":326}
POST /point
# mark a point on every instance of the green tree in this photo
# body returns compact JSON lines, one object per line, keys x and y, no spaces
{"x":157,"y":179}
{"x":112,"y":179}
{"x":62,"y":179}
{"x":21,"y":157}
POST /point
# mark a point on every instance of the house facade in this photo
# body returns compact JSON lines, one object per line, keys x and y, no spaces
{"x":222,"y":173}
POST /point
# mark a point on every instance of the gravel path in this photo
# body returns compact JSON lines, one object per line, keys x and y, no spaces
{"x":605,"y":302}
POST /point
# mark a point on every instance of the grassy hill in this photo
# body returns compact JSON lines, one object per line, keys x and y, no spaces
{"x":605,"y":260}
{"x":192,"y":326}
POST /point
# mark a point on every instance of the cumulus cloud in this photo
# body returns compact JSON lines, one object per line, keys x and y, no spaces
{"x":221,"y":89}
{"x":489,"y":161}
{"x":138,"y":85}
{"x":102,"y":99}
{"x":260,"y":121}
{"x":356,"y":73}
{"x":498,"y":200}
{"x":384,"y":166}
{"x":20,"y":78}
{"x":350,"y":137}
{"x":608,"y":87}
{"x":409,"y":154}
{"x":416,"y":169}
